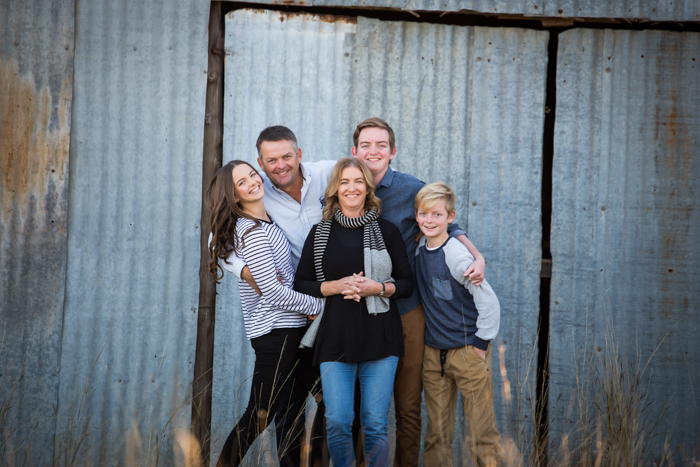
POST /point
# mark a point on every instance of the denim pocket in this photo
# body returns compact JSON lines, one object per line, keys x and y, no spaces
{"x":442,"y":289}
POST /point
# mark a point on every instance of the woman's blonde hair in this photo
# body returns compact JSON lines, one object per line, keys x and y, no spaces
{"x":430,"y":194}
{"x":332,"y":203}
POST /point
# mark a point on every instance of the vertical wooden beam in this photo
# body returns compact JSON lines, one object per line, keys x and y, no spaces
{"x":211,"y":161}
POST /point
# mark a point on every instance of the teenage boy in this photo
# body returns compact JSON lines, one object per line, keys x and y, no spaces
{"x":460,"y":319}
{"x":374,"y":142}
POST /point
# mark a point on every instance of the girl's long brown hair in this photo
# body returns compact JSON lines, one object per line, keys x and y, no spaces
{"x":221,"y":200}
{"x":332,"y":203}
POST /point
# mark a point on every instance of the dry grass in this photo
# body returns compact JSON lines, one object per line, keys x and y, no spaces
{"x":526,"y":442}
{"x":16,"y":440}
{"x":74,"y":445}
{"x":261,"y":452}
{"x":612,"y":421}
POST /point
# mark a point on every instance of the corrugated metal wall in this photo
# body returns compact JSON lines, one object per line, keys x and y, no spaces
{"x":683,"y":10}
{"x":678,"y":10}
{"x":100,"y":278}
{"x":265,"y":82}
{"x":625,"y":220}
{"x":133,"y":239}
{"x":36,"y":85}
{"x":467,"y":106}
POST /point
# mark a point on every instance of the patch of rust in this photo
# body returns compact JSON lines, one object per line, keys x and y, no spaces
{"x":673,"y":160}
{"x":34,"y":160}
{"x":285,"y":16}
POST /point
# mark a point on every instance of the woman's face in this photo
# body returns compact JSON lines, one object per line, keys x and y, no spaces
{"x":247,"y":184}
{"x":352,"y":191}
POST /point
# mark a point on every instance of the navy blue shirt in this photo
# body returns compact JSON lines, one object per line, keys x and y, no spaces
{"x":398,"y":191}
{"x":450,"y":312}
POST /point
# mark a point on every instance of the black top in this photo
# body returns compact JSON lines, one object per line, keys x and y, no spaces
{"x":348,"y":333}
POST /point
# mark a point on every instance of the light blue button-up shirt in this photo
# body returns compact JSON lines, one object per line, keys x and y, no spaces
{"x":295,"y":219}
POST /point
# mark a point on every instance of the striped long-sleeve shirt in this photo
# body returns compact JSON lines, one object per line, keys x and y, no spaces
{"x":265,"y":251}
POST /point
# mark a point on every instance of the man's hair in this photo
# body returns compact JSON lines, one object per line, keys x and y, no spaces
{"x":276,"y":133}
{"x":429,"y":195}
{"x":374,"y":122}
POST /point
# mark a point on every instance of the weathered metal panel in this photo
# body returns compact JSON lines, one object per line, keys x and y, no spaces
{"x":505,"y":205}
{"x":678,"y":10}
{"x":625,"y":222}
{"x":684,"y":10}
{"x":467,"y":107}
{"x":133,"y":244}
{"x":36,"y":85}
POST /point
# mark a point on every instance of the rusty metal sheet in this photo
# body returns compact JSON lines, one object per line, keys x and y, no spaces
{"x":626,"y":224}
{"x":678,"y":10}
{"x":36,"y":85}
{"x":133,"y":241}
{"x":467,"y":107}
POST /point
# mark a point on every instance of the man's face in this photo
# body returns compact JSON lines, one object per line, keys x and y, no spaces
{"x":280,"y":161}
{"x":373,"y":147}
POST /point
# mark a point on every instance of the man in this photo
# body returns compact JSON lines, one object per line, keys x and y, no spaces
{"x":294,"y":195}
{"x":374,"y":142}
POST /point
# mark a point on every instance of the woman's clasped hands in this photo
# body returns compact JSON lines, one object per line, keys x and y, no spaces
{"x":358,"y":286}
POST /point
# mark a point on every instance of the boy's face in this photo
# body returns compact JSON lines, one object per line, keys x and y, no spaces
{"x":373,"y":147}
{"x":433,"y":222}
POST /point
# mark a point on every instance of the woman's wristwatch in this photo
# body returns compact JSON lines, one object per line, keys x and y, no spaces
{"x":381,"y":294}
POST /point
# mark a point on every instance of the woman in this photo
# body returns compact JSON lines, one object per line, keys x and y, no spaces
{"x":358,"y":262}
{"x":274,"y":321}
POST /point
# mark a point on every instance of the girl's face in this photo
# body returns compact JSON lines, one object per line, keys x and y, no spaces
{"x":247,"y":184}
{"x":352,"y":191}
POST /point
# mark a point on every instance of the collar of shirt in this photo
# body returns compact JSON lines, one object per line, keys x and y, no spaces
{"x":296,"y":219}
{"x":387,"y":178}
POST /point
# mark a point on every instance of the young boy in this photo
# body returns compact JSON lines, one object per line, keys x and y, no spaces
{"x":460,"y":322}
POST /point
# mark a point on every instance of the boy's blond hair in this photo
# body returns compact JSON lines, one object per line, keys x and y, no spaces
{"x":430,"y":194}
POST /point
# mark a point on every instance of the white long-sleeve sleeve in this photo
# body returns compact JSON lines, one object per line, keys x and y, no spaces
{"x":233,"y":263}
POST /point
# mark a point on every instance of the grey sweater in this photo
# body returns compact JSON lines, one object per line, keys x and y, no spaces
{"x":457,"y":313}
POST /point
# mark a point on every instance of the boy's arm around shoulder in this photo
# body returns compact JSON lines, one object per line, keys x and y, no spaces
{"x":458,"y":259}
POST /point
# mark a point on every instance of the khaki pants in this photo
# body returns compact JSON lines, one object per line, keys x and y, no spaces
{"x":467,"y":371}
{"x":408,"y":387}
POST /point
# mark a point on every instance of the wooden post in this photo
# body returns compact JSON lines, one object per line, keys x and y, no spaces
{"x":211,"y":161}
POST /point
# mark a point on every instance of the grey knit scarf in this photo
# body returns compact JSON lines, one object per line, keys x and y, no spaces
{"x":376,"y":259}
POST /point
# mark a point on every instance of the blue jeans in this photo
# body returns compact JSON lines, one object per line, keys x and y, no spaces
{"x":376,"y":382}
